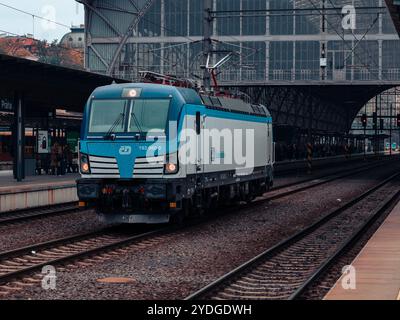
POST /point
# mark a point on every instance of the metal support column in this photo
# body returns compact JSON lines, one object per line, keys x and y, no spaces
{"x":391,"y":128}
{"x":310,"y":138}
{"x":207,"y":43}
{"x":19,"y":137}
{"x":376,"y":127}
{"x":365,"y":137}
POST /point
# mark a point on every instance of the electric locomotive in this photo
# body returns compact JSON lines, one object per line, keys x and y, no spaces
{"x":146,"y":157}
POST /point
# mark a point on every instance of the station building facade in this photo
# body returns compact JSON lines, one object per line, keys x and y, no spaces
{"x":273,"y":40}
{"x":286,"y":42}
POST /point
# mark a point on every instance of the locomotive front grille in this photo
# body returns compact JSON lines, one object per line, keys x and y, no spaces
{"x":104,"y":166}
{"x":149,"y":166}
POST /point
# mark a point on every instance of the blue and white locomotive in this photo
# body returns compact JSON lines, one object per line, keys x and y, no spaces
{"x":146,"y":156}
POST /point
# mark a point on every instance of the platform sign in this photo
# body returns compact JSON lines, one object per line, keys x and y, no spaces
{"x":72,"y":141}
{"x":6,"y":105}
{"x":43,"y":142}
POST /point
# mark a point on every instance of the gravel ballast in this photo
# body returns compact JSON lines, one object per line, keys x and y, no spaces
{"x":192,"y":258}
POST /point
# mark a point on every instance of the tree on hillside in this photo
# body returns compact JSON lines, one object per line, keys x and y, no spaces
{"x":41,"y":50}
{"x":54,"y":53}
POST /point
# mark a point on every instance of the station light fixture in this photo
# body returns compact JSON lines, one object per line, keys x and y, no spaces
{"x":364,"y":120}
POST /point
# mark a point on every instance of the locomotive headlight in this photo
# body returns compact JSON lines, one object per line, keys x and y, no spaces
{"x":84,"y":163}
{"x":85,"y":167}
{"x":171,"y":166}
{"x":131,"y":92}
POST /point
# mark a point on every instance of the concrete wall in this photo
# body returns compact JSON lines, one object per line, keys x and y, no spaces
{"x":37,"y":197}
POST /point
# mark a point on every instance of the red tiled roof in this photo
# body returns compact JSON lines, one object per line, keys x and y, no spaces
{"x":33,"y":49}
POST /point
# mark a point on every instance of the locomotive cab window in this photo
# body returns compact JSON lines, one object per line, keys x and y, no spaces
{"x":148,"y":115}
{"x":106,"y":115}
{"x":129,"y":116}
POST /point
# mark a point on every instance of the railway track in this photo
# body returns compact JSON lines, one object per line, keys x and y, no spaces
{"x":47,"y":211}
{"x":19,"y":263}
{"x":302,"y":167}
{"x":286,"y":270}
{"x":322,"y":176}
{"x":299,"y":186}
{"x":41,"y":212}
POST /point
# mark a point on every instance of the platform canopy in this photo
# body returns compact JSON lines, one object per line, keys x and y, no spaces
{"x":48,"y":86}
{"x":333,"y":106}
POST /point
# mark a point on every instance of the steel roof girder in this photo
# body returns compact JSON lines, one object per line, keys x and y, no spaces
{"x":125,"y":37}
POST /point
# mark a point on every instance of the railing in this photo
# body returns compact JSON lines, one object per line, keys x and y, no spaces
{"x":233,"y":76}
{"x":392,"y":74}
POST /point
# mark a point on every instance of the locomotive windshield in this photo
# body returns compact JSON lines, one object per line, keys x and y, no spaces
{"x":146,"y":115}
{"x":129,"y":116}
{"x":106,"y":115}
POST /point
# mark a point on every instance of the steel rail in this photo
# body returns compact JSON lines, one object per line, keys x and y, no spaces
{"x":6,"y":277}
{"x":274,"y":251}
{"x":318,"y":182}
{"x":346,"y":245}
{"x":309,"y":179}
{"x":49,"y":245}
{"x":65,"y":208}
{"x":39,"y":212}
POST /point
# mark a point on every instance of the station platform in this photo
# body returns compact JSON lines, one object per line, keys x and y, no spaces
{"x":36,"y":191}
{"x":377,"y":266}
{"x":284,"y":166}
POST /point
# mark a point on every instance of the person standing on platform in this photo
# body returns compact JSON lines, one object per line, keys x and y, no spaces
{"x":69,"y":158}
{"x":56,"y":155}
{"x":63,"y":161}
{"x":59,"y":153}
{"x":53,"y":159}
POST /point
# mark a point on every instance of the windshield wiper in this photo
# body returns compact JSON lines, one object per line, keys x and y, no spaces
{"x":111,"y":132}
{"x":133,"y":115}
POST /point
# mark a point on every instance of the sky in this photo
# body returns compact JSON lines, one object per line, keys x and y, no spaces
{"x":66,"y":12}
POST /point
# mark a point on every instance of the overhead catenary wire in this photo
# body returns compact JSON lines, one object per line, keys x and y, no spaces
{"x":106,"y":5}
{"x":341,"y":36}
{"x":191,"y":41}
{"x":113,"y":7}
{"x":244,"y":14}
{"x":41,"y":18}
{"x":359,"y":40}
{"x":87,"y":52}
{"x":34,"y":15}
